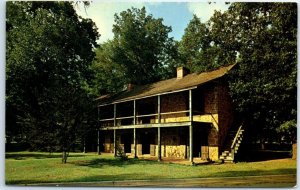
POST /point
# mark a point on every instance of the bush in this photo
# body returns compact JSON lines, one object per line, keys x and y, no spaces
{"x":120,"y":153}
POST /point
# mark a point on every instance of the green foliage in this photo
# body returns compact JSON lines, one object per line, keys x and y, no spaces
{"x":121,"y":155}
{"x":289,"y":130}
{"x":141,"y":46}
{"x":109,"y":76}
{"x":49,"y":53}
{"x":262,"y":39}
{"x":264,"y":84}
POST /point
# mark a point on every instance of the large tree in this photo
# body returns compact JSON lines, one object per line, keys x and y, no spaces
{"x":141,"y":46}
{"x":262,"y":39}
{"x":109,"y":76}
{"x":49,"y":53}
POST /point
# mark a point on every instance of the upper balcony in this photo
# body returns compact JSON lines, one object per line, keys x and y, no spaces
{"x":178,"y":101}
{"x":176,"y":109}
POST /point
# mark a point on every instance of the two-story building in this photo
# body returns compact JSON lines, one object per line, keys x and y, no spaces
{"x":183,"y":117}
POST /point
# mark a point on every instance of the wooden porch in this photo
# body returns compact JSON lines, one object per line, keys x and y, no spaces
{"x":148,"y":112}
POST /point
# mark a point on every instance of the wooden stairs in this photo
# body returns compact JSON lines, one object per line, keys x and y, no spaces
{"x":232,"y":145}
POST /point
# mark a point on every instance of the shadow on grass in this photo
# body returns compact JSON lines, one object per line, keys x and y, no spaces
{"x":262,"y":155}
{"x":100,"y":162}
{"x":18,"y":156}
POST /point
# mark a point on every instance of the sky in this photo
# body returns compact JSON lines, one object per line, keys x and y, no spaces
{"x":174,"y":14}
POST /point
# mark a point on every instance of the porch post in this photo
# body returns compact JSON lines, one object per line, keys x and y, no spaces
{"x":191,"y":126}
{"x":134,"y":142}
{"x":115,"y":114}
{"x":158,"y":130}
{"x":134,"y":129}
{"x":98,"y":138}
{"x":98,"y":143}
{"x":115,"y":147}
{"x":134,"y":112}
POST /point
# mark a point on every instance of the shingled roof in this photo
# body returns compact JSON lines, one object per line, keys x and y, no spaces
{"x":166,"y":86}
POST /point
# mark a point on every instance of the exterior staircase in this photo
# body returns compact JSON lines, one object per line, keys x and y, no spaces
{"x":232,"y":145}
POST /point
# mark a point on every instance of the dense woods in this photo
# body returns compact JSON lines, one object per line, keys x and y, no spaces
{"x":55,"y":68}
{"x":262,"y":39}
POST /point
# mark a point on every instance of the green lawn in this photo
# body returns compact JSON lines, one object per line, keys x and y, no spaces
{"x":29,"y":167}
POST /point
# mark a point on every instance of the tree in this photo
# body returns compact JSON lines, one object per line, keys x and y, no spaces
{"x":142,"y":47}
{"x":262,"y":39}
{"x":109,"y":76}
{"x":49,"y":53}
{"x":193,"y":45}
{"x":264,"y":84}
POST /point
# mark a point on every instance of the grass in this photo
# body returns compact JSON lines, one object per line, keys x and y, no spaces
{"x":33,"y":167}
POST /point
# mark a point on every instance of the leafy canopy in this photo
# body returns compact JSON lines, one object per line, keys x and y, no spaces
{"x":49,"y":53}
{"x":262,"y":39}
{"x":141,"y":46}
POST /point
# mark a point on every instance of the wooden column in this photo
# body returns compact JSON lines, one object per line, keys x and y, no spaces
{"x":134,"y":112}
{"x":134,"y":129}
{"x":190,"y":106}
{"x":98,"y":143}
{"x":134,"y":142}
{"x":115,"y":114}
{"x":115,"y":144}
{"x":98,"y":138}
{"x":191,"y":126}
{"x":158,"y":130}
{"x":158,"y":109}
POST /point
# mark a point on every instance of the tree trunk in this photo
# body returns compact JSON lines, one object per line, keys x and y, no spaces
{"x":64,"y":157}
{"x":262,"y":144}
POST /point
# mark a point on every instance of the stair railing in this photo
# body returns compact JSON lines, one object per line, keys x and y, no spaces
{"x":234,"y":141}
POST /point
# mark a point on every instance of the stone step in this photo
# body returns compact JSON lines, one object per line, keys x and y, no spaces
{"x":229,"y":158}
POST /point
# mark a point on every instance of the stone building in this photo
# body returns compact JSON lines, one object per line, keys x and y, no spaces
{"x":184,"y":117}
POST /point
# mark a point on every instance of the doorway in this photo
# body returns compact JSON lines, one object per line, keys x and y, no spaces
{"x":147,"y":139}
{"x":127,"y":139}
{"x":200,"y":141}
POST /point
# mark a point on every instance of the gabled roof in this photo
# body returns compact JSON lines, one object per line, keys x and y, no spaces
{"x":166,"y":86}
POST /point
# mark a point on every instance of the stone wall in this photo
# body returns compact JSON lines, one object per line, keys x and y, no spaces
{"x":209,"y":113}
{"x":108,"y":144}
{"x":210,"y":99}
{"x":225,"y":112}
{"x":216,"y":103}
{"x":174,"y":102}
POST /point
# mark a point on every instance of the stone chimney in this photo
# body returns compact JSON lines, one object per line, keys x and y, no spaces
{"x":130,"y":86}
{"x":181,"y":72}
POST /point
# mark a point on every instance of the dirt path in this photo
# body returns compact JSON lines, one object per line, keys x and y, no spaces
{"x":246,"y":181}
